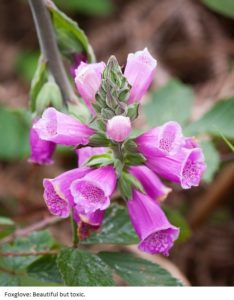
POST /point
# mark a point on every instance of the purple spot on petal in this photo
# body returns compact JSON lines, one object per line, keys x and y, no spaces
{"x":56,"y":205}
{"x":158,"y":242}
{"x":90,"y":193}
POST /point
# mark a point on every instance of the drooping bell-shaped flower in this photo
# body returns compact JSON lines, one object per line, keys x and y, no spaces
{"x":93,"y":191}
{"x":151,"y":183}
{"x":186,"y":167}
{"x":88,"y":80}
{"x":161,"y":141}
{"x":57,"y":193}
{"x":41,"y":151}
{"x":84,"y":154}
{"x":60,"y":128}
{"x":139,"y":71}
{"x":156,"y":234}
{"x":118,"y":128}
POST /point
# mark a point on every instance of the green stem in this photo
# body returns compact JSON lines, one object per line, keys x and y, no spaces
{"x":75,"y":239}
{"x":49,"y":48}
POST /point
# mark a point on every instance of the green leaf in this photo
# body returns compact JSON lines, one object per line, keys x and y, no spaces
{"x":177,"y":219}
{"x":218,"y":119}
{"x":212,"y":160}
{"x":37,"y":241}
{"x":133,"y":111}
{"x":91,"y":7}
{"x":224,"y":7}
{"x":7,"y":226}
{"x":100,"y":160}
{"x":49,"y":95}
{"x":37,"y":82}
{"x":116,"y":228}
{"x":45,"y":269}
{"x":98,"y":140}
{"x":71,"y":38}
{"x":137,"y":271}
{"x":14,"y":131}
{"x":173,"y":102}
{"x":81,"y":268}
{"x":7,"y":279}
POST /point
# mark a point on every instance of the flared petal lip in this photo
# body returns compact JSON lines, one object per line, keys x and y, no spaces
{"x":175,"y":235}
{"x":60,"y":194}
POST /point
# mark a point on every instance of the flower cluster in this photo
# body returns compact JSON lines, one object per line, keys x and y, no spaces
{"x":109,"y":158}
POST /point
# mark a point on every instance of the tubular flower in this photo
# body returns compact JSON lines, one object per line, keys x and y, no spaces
{"x":161,"y":141}
{"x":139,"y":71}
{"x":57,"y":193}
{"x":150,"y":182}
{"x":88,"y":79}
{"x":156,"y":234}
{"x":93,"y":191}
{"x":186,"y":167}
{"x":41,"y":151}
{"x":118,"y":128}
{"x":62,"y":129}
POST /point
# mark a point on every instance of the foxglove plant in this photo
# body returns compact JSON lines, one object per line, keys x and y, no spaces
{"x":109,"y":158}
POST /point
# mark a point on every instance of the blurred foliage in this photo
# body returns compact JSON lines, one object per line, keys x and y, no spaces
{"x":14,"y":132}
{"x":170,"y":102}
{"x":218,"y":119}
{"x":26,"y":64}
{"x":90,"y":7}
{"x":178,"y":220}
{"x":224,"y":7}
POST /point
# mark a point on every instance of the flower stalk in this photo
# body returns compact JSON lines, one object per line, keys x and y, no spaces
{"x":75,"y":238}
{"x":49,"y":48}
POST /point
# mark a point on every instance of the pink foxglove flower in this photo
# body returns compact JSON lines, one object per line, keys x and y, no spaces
{"x":93,"y":191}
{"x":77,"y":58}
{"x":152,"y":185}
{"x":156,"y":234}
{"x":41,"y":151}
{"x":57,"y":193}
{"x":139,"y":71}
{"x":118,"y":128}
{"x":186,"y":167}
{"x":88,"y":80}
{"x":84,"y":154}
{"x":161,"y":141}
{"x":60,"y":128}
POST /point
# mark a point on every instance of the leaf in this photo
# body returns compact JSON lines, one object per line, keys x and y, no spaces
{"x":71,"y":38}
{"x":45,"y":269}
{"x":173,"y":102}
{"x":100,"y":160}
{"x":224,"y":7}
{"x":212,"y":160}
{"x":37,"y":241}
{"x":116,"y":228}
{"x":81,"y":268}
{"x":7,"y":279}
{"x":14,"y":131}
{"x":37,"y":82}
{"x":91,"y":7}
{"x":7,"y":226}
{"x":177,"y":219}
{"x":220,"y":118}
{"x":137,"y":271}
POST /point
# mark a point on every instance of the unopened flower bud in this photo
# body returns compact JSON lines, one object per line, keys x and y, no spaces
{"x":118,"y":128}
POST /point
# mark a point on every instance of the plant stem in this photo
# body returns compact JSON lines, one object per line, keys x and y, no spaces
{"x":75,"y":239}
{"x":49,"y":48}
